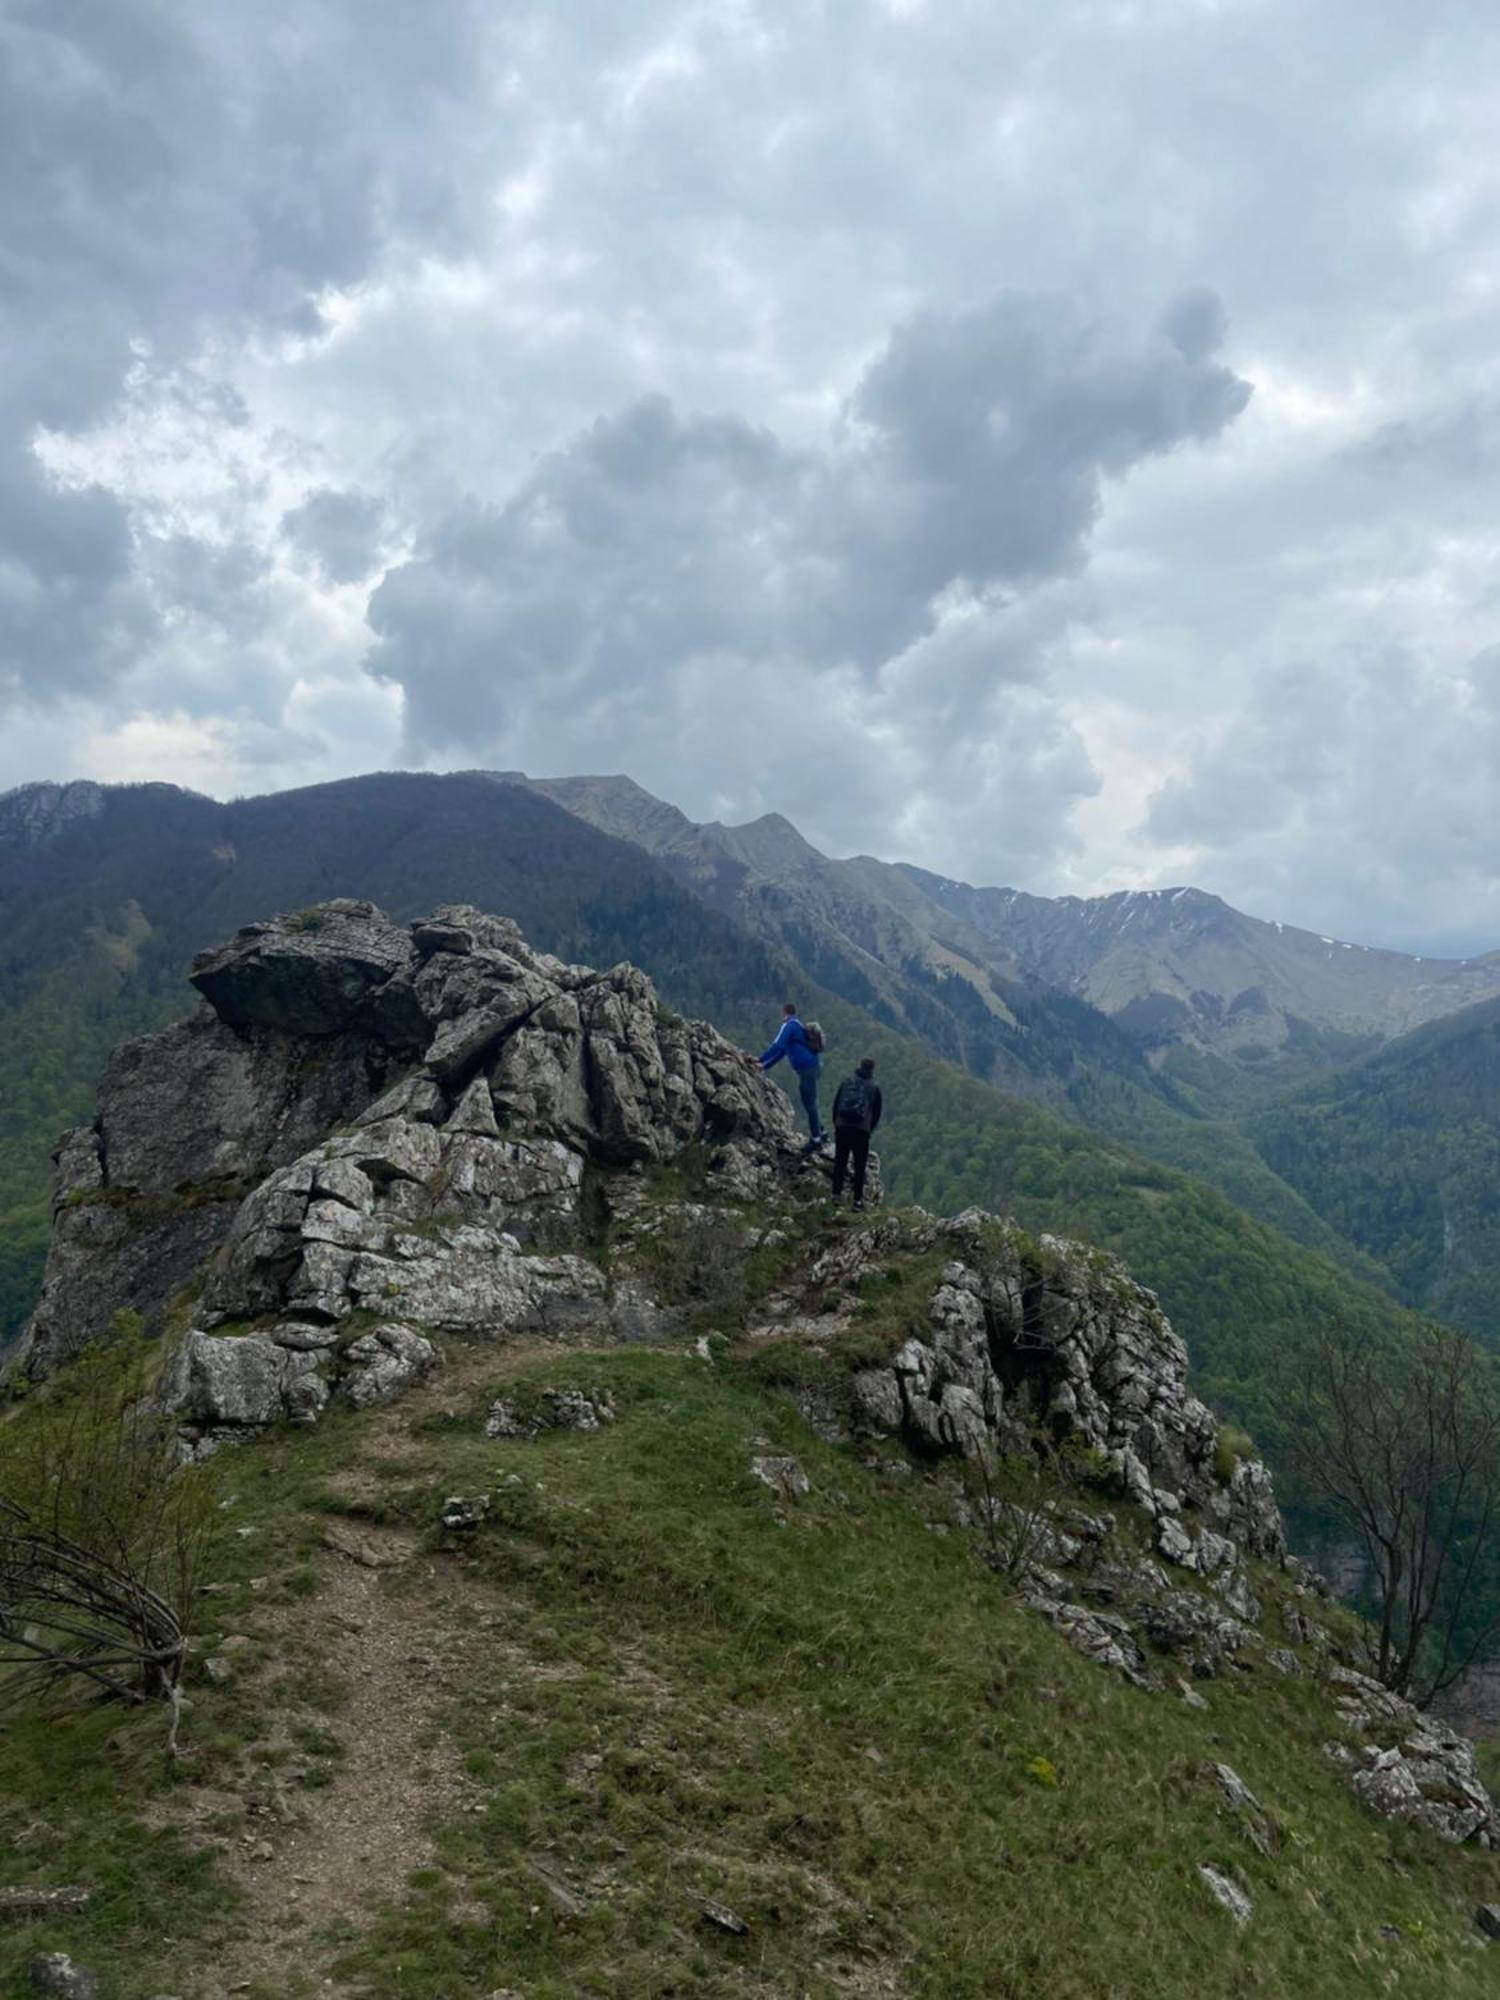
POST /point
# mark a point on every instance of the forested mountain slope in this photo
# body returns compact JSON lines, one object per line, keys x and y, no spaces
{"x":869,"y":932}
{"x":101,"y":916}
{"x":1401,"y":1154}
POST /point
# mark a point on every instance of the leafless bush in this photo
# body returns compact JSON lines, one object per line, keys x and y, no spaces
{"x":103,"y":1542}
{"x":1402,"y":1444}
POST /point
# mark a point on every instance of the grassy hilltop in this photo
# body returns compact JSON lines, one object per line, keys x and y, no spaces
{"x":653,"y":1728}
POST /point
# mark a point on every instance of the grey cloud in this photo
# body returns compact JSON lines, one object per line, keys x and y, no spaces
{"x":340,"y":532}
{"x":971,"y":460}
{"x":992,"y":432}
{"x":166,"y":171}
{"x":407,"y":255}
{"x":1354,"y":796}
{"x":72,"y":611}
{"x":1446,"y":447}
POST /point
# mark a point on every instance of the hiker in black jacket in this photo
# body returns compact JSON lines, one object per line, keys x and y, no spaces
{"x":856,"y":1113}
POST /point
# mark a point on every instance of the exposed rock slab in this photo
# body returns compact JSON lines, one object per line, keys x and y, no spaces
{"x":369,"y":1113}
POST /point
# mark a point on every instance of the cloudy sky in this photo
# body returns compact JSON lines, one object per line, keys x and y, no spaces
{"x":1056,"y":444}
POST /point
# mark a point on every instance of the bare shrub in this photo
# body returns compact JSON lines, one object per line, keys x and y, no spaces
{"x":104,"y":1538}
{"x":1402,"y":1445}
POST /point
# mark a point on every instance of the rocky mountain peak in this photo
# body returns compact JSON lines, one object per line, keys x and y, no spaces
{"x":34,"y":814}
{"x":366,"y":1110}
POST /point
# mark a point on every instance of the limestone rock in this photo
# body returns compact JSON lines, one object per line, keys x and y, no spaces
{"x":384,"y":1362}
{"x":1098,"y":1635}
{"x":462,"y":1513}
{"x":57,"y":1974}
{"x":1097,"y":1360}
{"x":375,"y":1119}
{"x":1419,"y":1771}
{"x":233,"y":1382}
{"x":1246,"y":1808}
{"x":1226,"y":1892}
{"x":324,"y":971}
{"x":554,"y":1410}
{"x":783,"y":1475}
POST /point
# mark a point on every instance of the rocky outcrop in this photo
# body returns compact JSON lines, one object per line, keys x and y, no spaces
{"x":34,"y":814}
{"x":1055,"y":1342}
{"x":1408,"y":1766}
{"x":373,"y":1124}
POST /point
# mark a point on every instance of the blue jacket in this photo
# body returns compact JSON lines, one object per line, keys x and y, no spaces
{"x":791,"y":1043}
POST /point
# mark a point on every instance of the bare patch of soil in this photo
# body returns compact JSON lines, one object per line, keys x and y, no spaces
{"x":356,"y":1841}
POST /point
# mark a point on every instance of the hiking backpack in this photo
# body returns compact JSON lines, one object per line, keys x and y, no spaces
{"x":854,"y":1104}
{"x":812,"y":1034}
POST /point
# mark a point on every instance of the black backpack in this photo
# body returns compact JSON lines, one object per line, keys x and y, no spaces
{"x":812,"y":1034}
{"x":855,"y":1103}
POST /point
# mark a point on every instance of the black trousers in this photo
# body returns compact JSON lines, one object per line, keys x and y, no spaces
{"x":850,"y":1142}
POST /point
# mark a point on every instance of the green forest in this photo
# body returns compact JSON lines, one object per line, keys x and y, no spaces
{"x":1400,"y":1153}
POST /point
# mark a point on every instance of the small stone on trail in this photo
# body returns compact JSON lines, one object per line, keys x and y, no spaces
{"x":54,"y":1972}
{"x":463,"y":1512}
{"x":31,"y":1905}
{"x":565,"y":1900}
{"x":722,"y":1917}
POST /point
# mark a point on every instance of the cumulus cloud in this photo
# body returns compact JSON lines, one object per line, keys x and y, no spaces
{"x":839,"y":409}
{"x":169,"y":175}
{"x":339,"y":532}
{"x":968,"y":467}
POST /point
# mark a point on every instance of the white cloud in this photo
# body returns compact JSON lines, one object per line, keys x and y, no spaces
{"x":301,"y":293}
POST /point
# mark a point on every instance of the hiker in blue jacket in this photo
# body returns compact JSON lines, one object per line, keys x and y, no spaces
{"x":803,"y":1050}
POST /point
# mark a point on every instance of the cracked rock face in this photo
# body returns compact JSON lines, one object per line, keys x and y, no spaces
{"x":1415,"y":1769}
{"x":373,"y":1123}
{"x":1077,"y":1347}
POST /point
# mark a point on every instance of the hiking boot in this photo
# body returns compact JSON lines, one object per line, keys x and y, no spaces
{"x":859,"y":1208}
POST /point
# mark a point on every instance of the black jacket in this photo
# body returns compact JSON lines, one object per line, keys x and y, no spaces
{"x":873,"y":1090}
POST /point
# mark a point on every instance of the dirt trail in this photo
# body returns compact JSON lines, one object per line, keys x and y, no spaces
{"x":360,"y":1838}
{"x":400,"y":1654}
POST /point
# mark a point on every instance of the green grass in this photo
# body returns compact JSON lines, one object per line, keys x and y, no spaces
{"x":828,"y":1717}
{"x":73,"y":1789}
{"x":835,"y":1723}
{"x":840,"y":1727}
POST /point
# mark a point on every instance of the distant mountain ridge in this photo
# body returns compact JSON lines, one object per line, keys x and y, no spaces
{"x":1205,"y":994}
{"x":1181,"y":964}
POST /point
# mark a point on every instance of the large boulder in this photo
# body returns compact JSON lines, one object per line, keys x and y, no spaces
{"x":372,"y":1118}
{"x":335,"y":968}
{"x":1054,"y":1337}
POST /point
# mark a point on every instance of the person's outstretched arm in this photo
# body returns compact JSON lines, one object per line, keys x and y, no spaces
{"x":778,"y":1048}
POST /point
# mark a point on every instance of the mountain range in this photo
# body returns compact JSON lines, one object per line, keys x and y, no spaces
{"x":1177,"y":969}
{"x":1129,"y":1068}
